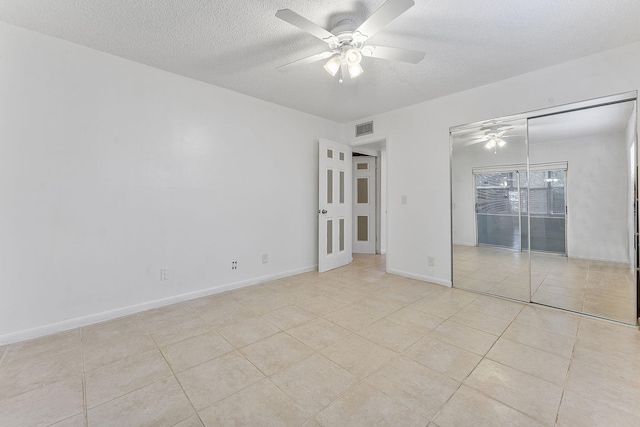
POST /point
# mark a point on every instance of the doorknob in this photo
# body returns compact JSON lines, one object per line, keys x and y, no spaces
{"x":323,"y":211}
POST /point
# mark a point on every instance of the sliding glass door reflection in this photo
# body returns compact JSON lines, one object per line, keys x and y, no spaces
{"x":487,"y":165}
{"x":544,"y":207}
{"x":547,"y":210}
{"x":498,"y":209}
{"x":584,"y":210}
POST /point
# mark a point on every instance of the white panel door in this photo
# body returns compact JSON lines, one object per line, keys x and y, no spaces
{"x":364,"y":205}
{"x":334,"y":205}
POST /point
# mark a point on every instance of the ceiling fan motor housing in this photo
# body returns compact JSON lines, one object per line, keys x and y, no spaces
{"x":346,"y":36}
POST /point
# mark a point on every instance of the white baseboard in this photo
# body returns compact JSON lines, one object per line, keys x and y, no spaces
{"x":78,"y":322}
{"x":420,"y":277}
{"x":464,"y":244}
{"x":586,"y":258}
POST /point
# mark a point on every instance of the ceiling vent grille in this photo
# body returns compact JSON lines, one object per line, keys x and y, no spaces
{"x":364,"y":129}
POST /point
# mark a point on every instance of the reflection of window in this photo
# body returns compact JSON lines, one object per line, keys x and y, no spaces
{"x":497,"y":193}
{"x":546,"y":193}
{"x":514,"y":200}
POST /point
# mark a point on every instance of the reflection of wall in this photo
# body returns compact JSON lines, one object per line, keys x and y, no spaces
{"x":597,"y":193}
{"x":514,"y":152}
{"x":597,"y":190}
{"x":630,"y":136}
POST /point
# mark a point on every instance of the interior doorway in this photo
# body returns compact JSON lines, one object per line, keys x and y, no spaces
{"x":372,"y":181}
{"x":364,"y":204}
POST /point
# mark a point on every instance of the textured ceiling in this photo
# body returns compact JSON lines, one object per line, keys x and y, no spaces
{"x":237,"y":44}
{"x":600,"y":120}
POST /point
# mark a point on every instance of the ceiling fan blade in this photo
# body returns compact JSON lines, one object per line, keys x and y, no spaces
{"x":389,"y":11}
{"x":305,"y":61}
{"x":304,"y":24}
{"x":482,"y":138}
{"x":470,"y":143}
{"x":404,"y":55}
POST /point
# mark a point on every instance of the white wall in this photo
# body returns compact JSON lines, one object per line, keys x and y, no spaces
{"x":418,"y":147}
{"x":382,"y":200}
{"x":111,"y":170}
{"x":597,"y":193}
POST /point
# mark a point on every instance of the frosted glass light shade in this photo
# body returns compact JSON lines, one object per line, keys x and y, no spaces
{"x":333,"y":65}
{"x":355,"y":70}
{"x":353,"y":57}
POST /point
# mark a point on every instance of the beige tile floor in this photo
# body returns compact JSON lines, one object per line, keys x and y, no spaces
{"x":599,"y":288}
{"x":351,"y":347}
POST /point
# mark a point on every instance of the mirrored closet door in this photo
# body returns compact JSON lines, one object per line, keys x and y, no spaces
{"x":488,"y":177}
{"x":544,"y":207}
{"x":582,"y":212}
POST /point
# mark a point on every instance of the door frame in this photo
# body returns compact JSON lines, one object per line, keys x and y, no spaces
{"x":377,"y":146}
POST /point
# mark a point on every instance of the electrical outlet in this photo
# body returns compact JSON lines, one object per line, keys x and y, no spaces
{"x":431,"y":261}
{"x":403,"y":199}
{"x":164,"y":274}
{"x":265,"y":258}
{"x":234,"y":265}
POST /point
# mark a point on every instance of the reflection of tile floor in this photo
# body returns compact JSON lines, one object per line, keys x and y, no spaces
{"x":599,"y":288}
{"x":493,"y":270}
{"x":351,"y":347}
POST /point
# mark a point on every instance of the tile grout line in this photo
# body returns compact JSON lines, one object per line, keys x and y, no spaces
{"x":4,"y":354}
{"x":566,"y":378}
{"x":396,"y":357}
{"x":146,"y":385}
{"x":481,"y":391}
{"x":312,"y":417}
{"x":84,"y":380}
{"x":460,"y":383}
{"x":175,"y":377}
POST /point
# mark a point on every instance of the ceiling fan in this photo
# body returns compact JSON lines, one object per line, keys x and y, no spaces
{"x":492,"y":134}
{"x":346,"y":43}
{"x":494,"y":137}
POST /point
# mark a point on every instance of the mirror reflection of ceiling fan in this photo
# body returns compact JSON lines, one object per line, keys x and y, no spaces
{"x":493,"y":135}
{"x":493,"y":138}
{"x":347,"y":43}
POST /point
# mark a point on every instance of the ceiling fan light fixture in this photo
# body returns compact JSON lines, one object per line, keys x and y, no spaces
{"x":355,"y":70}
{"x":353,"y":57}
{"x":333,"y":65}
{"x":501,"y":142}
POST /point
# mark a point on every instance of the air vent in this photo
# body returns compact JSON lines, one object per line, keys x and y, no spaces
{"x":364,"y":129}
